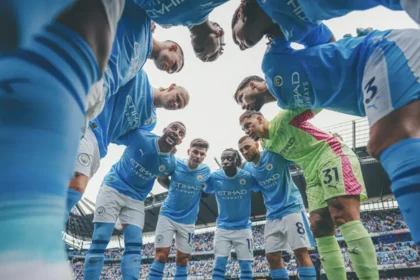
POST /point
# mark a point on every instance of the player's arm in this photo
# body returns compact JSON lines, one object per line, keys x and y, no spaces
{"x":164,"y":181}
{"x":208,"y":187}
{"x":318,"y":36}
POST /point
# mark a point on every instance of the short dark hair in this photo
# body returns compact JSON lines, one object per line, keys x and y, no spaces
{"x":200,"y":143}
{"x":177,"y":122}
{"x":243,"y":138}
{"x":244,"y":83}
{"x":182,"y":53}
{"x":238,"y":156}
{"x":247,"y":8}
{"x":248,"y":114}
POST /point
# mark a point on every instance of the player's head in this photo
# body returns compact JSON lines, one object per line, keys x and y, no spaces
{"x":231,"y":160}
{"x":173,"y":134}
{"x":252,"y":124}
{"x":248,"y":148}
{"x":248,"y":94}
{"x":168,"y":56}
{"x":250,"y":24}
{"x":173,"y":98}
{"x":197,"y":152}
{"x":209,"y":41}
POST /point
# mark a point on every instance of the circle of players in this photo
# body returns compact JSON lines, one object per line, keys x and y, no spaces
{"x":71,"y":51}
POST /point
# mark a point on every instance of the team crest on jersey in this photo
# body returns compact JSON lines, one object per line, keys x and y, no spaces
{"x":278,"y":81}
{"x":100,"y":211}
{"x":200,"y":178}
{"x":269,"y":166}
{"x":242,"y":181}
{"x":84,"y":159}
{"x":162,"y":168}
{"x":159,"y":238}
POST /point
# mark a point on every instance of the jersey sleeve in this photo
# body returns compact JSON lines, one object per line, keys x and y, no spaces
{"x":318,"y":36}
{"x":209,"y":188}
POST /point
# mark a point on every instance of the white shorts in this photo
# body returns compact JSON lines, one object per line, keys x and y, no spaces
{"x":240,"y":240}
{"x":110,"y":205}
{"x":95,"y":100}
{"x":289,"y":232}
{"x":88,"y":158}
{"x":392,"y":73}
{"x":184,"y":235}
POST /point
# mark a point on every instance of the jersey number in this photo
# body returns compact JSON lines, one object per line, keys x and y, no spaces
{"x":300,"y":228}
{"x":327,"y":175}
{"x":190,"y":237}
{"x":371,"y":90}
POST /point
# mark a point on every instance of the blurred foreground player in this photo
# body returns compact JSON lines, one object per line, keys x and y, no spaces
{"x":42,"y":93}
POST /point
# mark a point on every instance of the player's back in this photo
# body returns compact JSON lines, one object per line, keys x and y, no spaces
{"x":134,"y":174}
{"x":130,"y":109}
{"x":233,"y":196}
{"x":281,"y":196}
{"x":131,"y":48}
{"x":179,"y":12}
{"x":293,"y":23}
{"x":327,"y":76}
{"x":327,"y":9}
{"x":183,"y":200}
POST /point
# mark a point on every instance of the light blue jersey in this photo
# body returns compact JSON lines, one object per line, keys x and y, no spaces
{"x":130,"y":109}
{"x":293,"y":23}
{"x":281,"y":196}
{"x":315,"y":10}
{"x":371,"y":75}
{"x":132,"y":47}
{"x":233,"y":196}
{"x":135,"y":173}
{"x":188,"y":13}
{"x":183,"y":200}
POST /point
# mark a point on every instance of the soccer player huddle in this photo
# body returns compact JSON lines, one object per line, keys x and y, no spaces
{"x":72,"y":82}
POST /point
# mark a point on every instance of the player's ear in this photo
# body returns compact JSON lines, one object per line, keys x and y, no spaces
{"x":173,"y":47}
{"x":188,"y":151}
{"x":172,"y":87}
{"x":164,"y":130}
{"x":257,"y":145}
{"x":252,"y":85}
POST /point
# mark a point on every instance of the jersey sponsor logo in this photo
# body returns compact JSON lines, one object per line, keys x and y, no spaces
{"x":100,"y":211}
{"x":297,"y":9}
{"x":242,"y":181}
{"x":84,"y":159}
{"x":160,"y":8}
{"x":130,"y":112}
{"x":185,"y":188}
{"x":229,"y":193}
{"x":135,"y":64}
{"x":278,"y":81}
{"x":301,"y":91}
{"x":269,"y":166}
{"x":159,"y":238}
{"x":270,"y":182}
{"x":289,"y":146}
{"x":141,"y":171}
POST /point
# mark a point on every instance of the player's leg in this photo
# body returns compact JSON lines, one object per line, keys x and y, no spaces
{"x":296,"y":235}
{"x":391,"y":94}
{"x":108,"y":206}
{"x":164,"y":234}
{"x":243,"y":244}
{"x":87,"y":163}
{"x":184,"y":239}
{"x":274,"y":243}
{"x":343,"y":186}
{"x":323,"y":230}
{"x":222,"y":245}
{"x":132,"y":219}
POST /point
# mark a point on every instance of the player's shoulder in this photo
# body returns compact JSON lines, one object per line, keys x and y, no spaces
{"x":218,"y":174}
{"x":242,"y":173}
